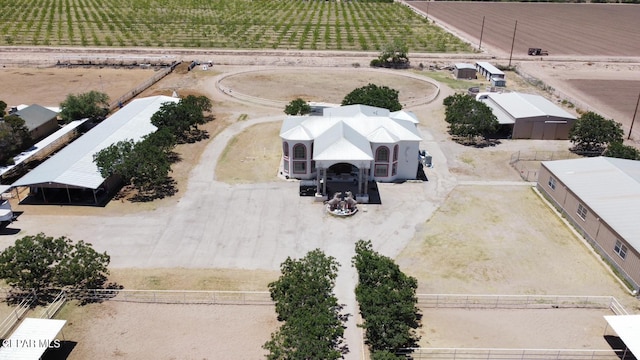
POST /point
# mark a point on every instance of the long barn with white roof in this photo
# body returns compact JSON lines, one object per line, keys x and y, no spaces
{"x":71,"y":173}
{"x":601,"y":197}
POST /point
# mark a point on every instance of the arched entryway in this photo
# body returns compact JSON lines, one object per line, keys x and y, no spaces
{"x":343,"y":176}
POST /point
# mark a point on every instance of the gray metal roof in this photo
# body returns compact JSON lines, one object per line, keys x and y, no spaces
{"x":490,"y":68}
{"x":521,"y":106}
{"x":608,"y":186}
{"x":36,"y":115}
{"x":73,"y":166}
{"x":465,"y":66}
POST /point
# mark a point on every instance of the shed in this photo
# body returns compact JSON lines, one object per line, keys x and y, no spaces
{"x":498,"y":82}
{"x":489,"y":71}
{"x":464,"y":71}
{"x":529,"y":116}
{"x":40,"y":121}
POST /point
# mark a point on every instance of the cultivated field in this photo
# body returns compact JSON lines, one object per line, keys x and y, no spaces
{"x":237,"y":24}
{"x":562,"y":29}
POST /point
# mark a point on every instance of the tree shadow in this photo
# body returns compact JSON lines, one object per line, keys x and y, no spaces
{"x":160,"y":191}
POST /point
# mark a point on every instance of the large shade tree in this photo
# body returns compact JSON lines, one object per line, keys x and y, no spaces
{"x":374,"y":95}
{"x":182,"y":118}
{"x":387,"y":299}
{"x":92,"y":105}
{"x":312,"y":324}
{"x":592,"y":133}
{"x":297,"y":107}
{"x":14,"y":138}
{"x":43,"y":264}
{"x":468,"y":117}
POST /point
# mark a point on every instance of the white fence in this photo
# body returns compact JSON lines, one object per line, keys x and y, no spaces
{"x":16,"y":315}
{"x":51,"y":310}
{"x":515,"y":354}
{"x":519,"y":302}
{"x":177,"y":296}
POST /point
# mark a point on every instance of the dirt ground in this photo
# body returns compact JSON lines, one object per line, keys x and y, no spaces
{"x":119,"y":330}
{"x":473,"y":244}
{"x":562,"y":29}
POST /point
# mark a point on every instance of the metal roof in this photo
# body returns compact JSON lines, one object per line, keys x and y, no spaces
{"x":627,"y":327}
{"x":36,"y":115}
{"x":490,"y":68}
{"x":41,"y":145}
{"x":609,"y":187}
{"x":465,"y":66}
{"x":31,"y":339}
{"x":73,"y":166}
{"x":520,"y":106}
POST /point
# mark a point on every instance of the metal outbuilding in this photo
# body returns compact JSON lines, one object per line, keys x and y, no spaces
{"x":529,"y":116}
{"x":464,"y":71}
{"x":73,"y":168}
{"x":600,"y":196}
{"x":489,"y":71}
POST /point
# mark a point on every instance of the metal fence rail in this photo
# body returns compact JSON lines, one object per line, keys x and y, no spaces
{"x":515,"y":354}
{"x":16,"y":315}
{"x":51,"y":310}
{"x":518,"y":302}
{"x":176,"y":296}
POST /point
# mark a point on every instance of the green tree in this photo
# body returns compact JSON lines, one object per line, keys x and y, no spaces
{"x":387,"y":299}
{"x":297,"y":107}
{"x":14,"y":138}
{"x":468,"y":117}
{"x":182,"y":118}
{"x":3,"y":108}
{"x":591,"y":133}
{"x":43,"y":263}
{"x":114,"y":159}
{"x":93,"y":105}
{"x":313,"y":326}
{"x":374,"y":95}
{"x":621,"y":151}
{"x":393,"y":55}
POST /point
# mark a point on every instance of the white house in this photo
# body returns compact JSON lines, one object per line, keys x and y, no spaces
{"x":356,"y":142}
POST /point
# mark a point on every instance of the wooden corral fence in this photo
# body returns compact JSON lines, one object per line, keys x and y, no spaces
{"x":175,"y":296}
{"x":527,"y":163}
{"x":159,"y":75}
{"x":464,"y":301}
{"x":514,"y":354}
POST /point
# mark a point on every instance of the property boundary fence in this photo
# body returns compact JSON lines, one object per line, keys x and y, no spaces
{"x":521,"y":161}
{"x":159,"y":75}
{"x":515,"y":354}
{"x":17,"y":314}
{"x":176,"y":296}
{"x":519,"y":302}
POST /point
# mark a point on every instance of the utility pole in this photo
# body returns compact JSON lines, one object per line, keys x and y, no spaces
{"x":635,"y":112}
{"x":481,"y":32}
{"x":513,"y":42}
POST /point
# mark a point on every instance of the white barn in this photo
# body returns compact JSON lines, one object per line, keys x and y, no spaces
{"x":358,"y":142}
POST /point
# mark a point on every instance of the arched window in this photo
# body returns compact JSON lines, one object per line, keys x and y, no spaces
{"x":285,"y":149}
{"x":299,"y":159}
{"x":382,"y":162}
{"x":299,"y":152}
{"x":394,"y":166}
{"x":382,"y":154}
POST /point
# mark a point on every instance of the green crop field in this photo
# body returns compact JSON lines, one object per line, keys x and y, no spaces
{"x":238,"y":24}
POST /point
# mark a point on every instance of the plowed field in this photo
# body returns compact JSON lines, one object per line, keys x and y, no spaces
{"x":562,"y":29}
